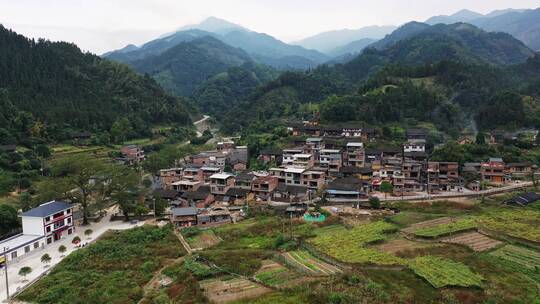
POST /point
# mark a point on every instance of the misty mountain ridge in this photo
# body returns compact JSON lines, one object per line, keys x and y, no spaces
{"x":329,"y":42}
{"x":261,"y":47}
{"x":524,"y":24}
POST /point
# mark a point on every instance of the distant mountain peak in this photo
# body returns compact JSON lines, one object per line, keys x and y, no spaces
{"x":465,"y":13}
{"x":214,"y":25}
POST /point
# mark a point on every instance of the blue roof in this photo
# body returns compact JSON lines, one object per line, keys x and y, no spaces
{"x":47,"y":209}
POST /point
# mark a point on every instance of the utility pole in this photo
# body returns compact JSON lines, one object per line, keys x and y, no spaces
{"x":6,"y":270}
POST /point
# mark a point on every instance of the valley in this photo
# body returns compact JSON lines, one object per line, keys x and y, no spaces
{"x":216,"y":163}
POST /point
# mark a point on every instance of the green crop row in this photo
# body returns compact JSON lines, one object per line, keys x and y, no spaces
{"x":440,"y":272}
{"x":349,"y":245}
{"x":446,"y":229}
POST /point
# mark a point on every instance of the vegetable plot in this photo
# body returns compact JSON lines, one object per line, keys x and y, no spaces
{"x":440,"y":272}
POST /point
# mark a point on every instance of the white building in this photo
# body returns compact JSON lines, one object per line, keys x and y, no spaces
{"x":415,"y":145}
{"x":42,"y":225}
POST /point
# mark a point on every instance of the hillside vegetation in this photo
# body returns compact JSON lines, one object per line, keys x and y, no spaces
{"x":51,"y":89}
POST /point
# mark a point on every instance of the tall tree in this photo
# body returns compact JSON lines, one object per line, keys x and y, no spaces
{"x":84,"y":174}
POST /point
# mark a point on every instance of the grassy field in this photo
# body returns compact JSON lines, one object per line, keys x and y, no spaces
{"x":112,"y":270}
{"x":440,"y":272}
{"x":350,"y":245}
{"x":200,"y":239}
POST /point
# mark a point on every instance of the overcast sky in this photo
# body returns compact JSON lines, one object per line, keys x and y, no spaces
{"x":103,"y":25}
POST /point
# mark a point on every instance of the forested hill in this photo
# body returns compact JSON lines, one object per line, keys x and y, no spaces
{"x":51,"y":89}
{"x":183,"y":67}
{"x":421,"y":45}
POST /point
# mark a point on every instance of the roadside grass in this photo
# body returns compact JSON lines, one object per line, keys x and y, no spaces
{"x":112,"y":270}
{"x":440,"y":272}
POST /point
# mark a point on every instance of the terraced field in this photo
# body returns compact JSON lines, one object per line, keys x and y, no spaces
{"x":519,"y":259}
{"x":350,"y":245}
{"x":522,"y":256}
{"x":427,"y":224}
{"x":276,"y":275}
{"x":441,"y":227}
{"x":440,"y":272}
{"x":224,"y":291}
{"x":474,"y":240}
{"x":306,"y":262}
{"x":522,"y":223}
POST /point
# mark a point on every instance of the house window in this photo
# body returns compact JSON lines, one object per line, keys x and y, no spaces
{"x":36,"y":245}
{"x":49,"y":240}
{"x":48,"y":218}
{"x":14,"y":255}
{"x":48,"y":229}
{"x":70,"y":231}
{"x":26,"y":249}
{"x":68,"y":211}
{"x":69,"y":220}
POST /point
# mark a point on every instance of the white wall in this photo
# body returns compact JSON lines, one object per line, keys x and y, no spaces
{"x":33,"y":225}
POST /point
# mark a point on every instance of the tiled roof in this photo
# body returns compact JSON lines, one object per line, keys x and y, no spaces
{"x":47,"y":209}
{"x":184,"y":211}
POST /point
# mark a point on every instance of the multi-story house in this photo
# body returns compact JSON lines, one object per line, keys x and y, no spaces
{"x":519,"y":169}
{"x":221,"y":182}
{"x":493,"y":171}
{"x":314,"y":180}
{"x":186,"y":185}
{"x":288,"y":175}
{"x":244,"y":180}
{"x":168,"y":176}
{"x":193,"y":173}
{"x":132,"y":154}
{"x":264,"y":185}
{"x":355,"y":155}
{"x":268,"y":156}
{"x":304,"y":160}
{"x":352,"y":132}
{"x":415,"y":145}
{"x":45,"y":224}
{"x":208,"y":171}
{"x":225,"y":146}
{"x":54,"y":220}
{"x":289,"y":155}
{"x":330,"y":159}
{"x":313,"y":145}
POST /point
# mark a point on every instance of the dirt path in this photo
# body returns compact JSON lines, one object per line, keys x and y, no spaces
{"x":183,"y":242}
{"x":154,"y":283}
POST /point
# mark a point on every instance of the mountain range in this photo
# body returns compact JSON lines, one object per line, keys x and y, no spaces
{"x":332,"y":41}
{"x":261,"y":47}
{"x":413,"y":44}
{"x":520,"y":23}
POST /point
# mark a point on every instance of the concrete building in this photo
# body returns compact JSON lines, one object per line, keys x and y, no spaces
{"x":41,"y":226}
{"x":221,"y":182}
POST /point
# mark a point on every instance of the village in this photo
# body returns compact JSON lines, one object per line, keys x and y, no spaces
{"x":213,"y":186}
